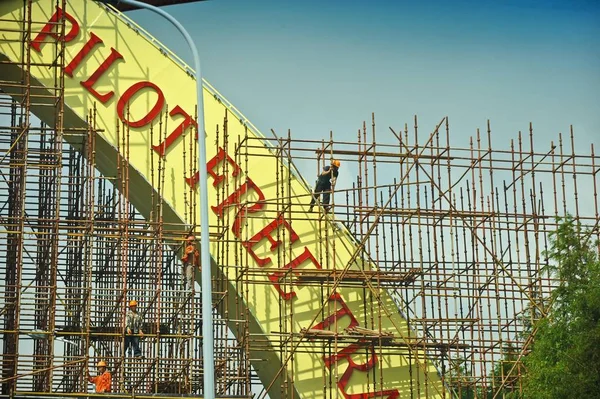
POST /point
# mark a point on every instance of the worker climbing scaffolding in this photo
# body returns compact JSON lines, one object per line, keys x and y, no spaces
{"x":190,"y":262}
{"x":325,"y":185}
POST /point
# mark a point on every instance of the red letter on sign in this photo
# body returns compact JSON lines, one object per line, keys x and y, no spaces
{"x":87,"y":48}
{"x":54,"y":22}
{"x":234,"y":200}
{"x":210,"y":168}
{"x":187,"y":122}
{"x":103,"y":98}
{"x":276,"y":277}
{"x":266,"y":233}
{"x":212,"y":164}
{"x":346,"y":353}
{"x":129,"y":93}
{"x":344,"y":311}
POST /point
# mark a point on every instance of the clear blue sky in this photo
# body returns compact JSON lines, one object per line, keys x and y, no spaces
{"x":314,"y":66}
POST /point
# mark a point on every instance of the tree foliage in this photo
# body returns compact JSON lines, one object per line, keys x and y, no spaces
{"x":565,"y":358}
{"x":501,"y":382}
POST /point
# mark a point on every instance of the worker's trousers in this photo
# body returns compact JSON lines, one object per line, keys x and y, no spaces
{"x":133,"y":342}
{"x":187,"y":276}
{"x":326,"y":195}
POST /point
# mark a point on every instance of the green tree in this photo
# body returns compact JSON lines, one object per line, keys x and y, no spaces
{"x":565,"y":358}
{"x":460,"y":380}
{"x":505,"y":376}
{"x":462,"y":383}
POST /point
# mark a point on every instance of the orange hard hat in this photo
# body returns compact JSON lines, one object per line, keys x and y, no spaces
{"x":335,"y":162}
{"x":101,"y":363}
{"x":133,"y":302}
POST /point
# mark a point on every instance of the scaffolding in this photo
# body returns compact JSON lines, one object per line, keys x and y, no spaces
{"x":75,"y":251}
{"x":457,"y":233}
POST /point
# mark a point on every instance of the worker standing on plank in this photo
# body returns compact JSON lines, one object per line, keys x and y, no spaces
{"x":103,"y":380}
{"x":133,"y":330}
{"x":325,"y":185}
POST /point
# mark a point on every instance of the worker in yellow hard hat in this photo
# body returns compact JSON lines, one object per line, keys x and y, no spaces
{"x":325,"y":185}
{"x":103,"y":380}
{"x":133,"y":330}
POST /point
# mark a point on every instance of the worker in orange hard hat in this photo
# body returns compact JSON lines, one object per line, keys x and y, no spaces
{"x":103,"y":380}
{"x":325,"y":185}
{"x":133,"y":330}
{"x":190,"y":261}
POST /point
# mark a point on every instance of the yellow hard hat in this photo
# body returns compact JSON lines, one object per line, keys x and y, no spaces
{"x":101,"y":363}
{"x":133,"y":302}
{"x":335,"y":162}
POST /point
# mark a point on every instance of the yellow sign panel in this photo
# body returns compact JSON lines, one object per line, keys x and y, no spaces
{"x":132,"y":82}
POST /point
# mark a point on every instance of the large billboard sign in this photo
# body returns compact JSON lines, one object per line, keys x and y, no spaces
{"x":133,"y":82}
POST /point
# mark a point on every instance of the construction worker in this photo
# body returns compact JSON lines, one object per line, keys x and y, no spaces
{"x":133,"y":330}
{"x":325,"y":185}
{"x":103,"y":380}
{"x":191,"y":261}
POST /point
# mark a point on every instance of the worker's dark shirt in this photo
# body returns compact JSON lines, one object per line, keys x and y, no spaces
{"x":324,"y":179}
